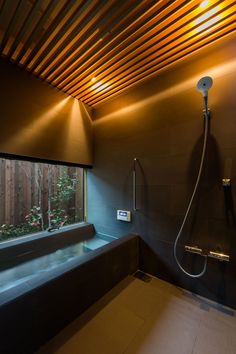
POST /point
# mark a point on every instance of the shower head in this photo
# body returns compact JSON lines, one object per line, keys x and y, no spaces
{"x":204,"y":84}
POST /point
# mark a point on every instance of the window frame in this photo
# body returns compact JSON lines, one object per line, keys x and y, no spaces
{"x":46,"y":233}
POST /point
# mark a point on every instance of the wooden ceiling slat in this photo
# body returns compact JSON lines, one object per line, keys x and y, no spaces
{"x":100,"y":49}
{"x":2,"y":4}
{"x":53,"y":26}
{"x":82,"y":34}
{"x":152,"y":73}
{"x":164,"y":64}
{"x":120,"y":43}
{"x":150,"y":57}
{"x":11,"y":25}
{"x":82,"y":48}
{"x":6,"y":12}
{"x":124,"y":74}
{"x":25,"y":26}
{"x":165,"y":29}
{"x":88,"y":10}
{"x":134,"y":72}
{"x":105,"y":69}
{"x":122,"y":39}
{"x":94,"y":32}
{"x":38,"y":28}
{"x":139,"y":58}
{"x":97,"y":102}
{"x":134,"y":76}
{"x":64,"y":30}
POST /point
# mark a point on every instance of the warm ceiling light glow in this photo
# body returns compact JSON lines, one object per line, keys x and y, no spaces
{"x":102,"y":87}
{"x":228,"y":68}
{"x":204,"y":4}
{"x":96,"y":85}
{"x":204,"y":17}
{"x":207,"y":15}
{"x":99,"y":86}
{"x":208,"y":23}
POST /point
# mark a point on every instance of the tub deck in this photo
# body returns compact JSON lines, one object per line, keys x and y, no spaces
{"x":56,"y":287}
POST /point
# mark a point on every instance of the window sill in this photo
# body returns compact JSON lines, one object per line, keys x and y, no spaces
{"x":39,"y":235}
{"x":13,"y":251}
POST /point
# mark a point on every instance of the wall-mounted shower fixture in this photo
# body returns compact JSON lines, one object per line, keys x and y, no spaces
{"x":213,"y":254}
{"x":218,"y":255}
{"x":203,"y":85}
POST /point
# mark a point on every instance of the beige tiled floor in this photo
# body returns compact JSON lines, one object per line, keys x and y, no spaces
{"x":149,"y":318}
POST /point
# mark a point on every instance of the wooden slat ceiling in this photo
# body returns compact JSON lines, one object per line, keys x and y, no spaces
{"x":95,"y":49}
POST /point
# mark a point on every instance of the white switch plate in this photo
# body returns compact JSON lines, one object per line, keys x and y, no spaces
{"x":124,"y":215}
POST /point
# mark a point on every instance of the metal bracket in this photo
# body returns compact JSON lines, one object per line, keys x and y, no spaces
{"x":226,"y":182}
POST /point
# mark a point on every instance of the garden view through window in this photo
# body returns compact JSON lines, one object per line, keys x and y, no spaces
{"x":37,"y":196}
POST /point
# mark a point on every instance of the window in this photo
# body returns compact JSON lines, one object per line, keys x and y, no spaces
{"x":37,"y":196}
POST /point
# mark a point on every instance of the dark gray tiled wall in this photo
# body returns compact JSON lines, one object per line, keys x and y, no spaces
{"x":165,"y":132}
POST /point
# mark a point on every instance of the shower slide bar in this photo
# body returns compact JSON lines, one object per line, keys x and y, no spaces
{"x":213,"y":254}
{"x":134,"y":185}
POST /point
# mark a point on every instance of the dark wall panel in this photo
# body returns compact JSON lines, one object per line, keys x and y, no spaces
{"x":39,"y":121}
{"x":161,"y":123}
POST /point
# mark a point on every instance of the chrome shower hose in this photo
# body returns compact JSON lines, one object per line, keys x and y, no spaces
{"x":206,"y":128}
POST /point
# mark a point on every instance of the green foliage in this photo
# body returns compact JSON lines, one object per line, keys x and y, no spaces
{"x":65,"y":189}
{"x":34,"y":218}
{"x":58,"y":218}
{"x":12,"y":231}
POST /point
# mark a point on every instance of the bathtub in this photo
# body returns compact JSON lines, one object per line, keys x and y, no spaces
{"x":63,"y":275}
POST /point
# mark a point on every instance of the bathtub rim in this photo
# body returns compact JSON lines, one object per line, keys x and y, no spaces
{"x":41,"y":235}
{"x":14,"y":252}
{"x":10,"y":295}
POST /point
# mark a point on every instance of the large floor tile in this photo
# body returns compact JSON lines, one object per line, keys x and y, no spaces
{"x":165,"y":335}
{"x":136,"y":317}
{"x":212,"y":341}
{"x":141,"y":299}
{"x":109,"y":331}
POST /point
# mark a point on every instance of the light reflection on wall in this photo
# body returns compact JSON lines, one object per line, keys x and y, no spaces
{"x":215,"y":72}
{"x":77,"y":123}
{"x":26,"y":136}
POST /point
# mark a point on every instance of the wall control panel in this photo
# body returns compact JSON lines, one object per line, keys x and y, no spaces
{"x":124,"y":215}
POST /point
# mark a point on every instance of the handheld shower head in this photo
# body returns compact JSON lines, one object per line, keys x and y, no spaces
{"x":203,"y":86}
